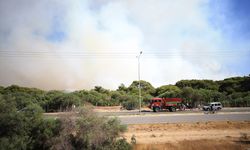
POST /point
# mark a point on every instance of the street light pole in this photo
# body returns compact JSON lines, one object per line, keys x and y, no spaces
{"x":139,"y":78}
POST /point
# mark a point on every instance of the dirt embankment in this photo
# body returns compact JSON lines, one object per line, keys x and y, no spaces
{"x":207,"y":135}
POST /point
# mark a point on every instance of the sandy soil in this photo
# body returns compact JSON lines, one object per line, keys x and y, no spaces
{"x":225,"y":135}
{"x":107,"y":108}
{"x":215,"y":135}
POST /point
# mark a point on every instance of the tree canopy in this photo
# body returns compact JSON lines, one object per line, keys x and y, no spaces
{"x":231,"y":92}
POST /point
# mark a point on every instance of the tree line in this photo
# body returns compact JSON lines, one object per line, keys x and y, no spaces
{"x":234,"y":92}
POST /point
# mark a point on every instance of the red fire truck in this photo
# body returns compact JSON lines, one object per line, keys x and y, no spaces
{"x":157,"y":104}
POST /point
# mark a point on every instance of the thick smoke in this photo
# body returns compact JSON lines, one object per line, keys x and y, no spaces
{"x":80,"y":44}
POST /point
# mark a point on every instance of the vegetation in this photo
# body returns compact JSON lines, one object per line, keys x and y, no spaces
{"x":233,"y":92}
{"x":22,"y":125}
{"x":90,"y":132}
{"x":26,"y":128}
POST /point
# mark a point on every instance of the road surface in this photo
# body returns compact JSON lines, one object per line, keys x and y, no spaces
{"x":195,"y":111}
{"x":181,"y":118}
{"x":147,"y":117}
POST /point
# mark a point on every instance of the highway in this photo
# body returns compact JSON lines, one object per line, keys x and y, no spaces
{"x":183,"y":118}
{"x":147,"y":111}
{"x":149,"y":117}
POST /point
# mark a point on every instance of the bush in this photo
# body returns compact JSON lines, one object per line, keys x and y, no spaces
{"x":90,"y":132}
{"x":25,"y":128}
{"x":130,"y":102}
{"x":63,"y":102}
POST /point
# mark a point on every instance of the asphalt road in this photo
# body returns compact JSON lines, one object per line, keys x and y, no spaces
{"x":195,"y":111}
{"x":147,"y":117}
{"x":181,"y":118}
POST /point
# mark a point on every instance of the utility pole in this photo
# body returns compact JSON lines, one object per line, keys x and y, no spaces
{"x":139,"y":78}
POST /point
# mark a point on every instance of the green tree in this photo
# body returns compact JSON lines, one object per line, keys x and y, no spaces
{"x":100,"y":89}
{"x":20,"y":129}
{"x":146,"y":88}
{"x":64,"y":102}
{"x":130,"y":102}
{"x":122,"y":88}
{"x":198,"y":84}
{"x":187,"y":93}
{"x":234,"y":84}
{"x":168,"y":91}
{"x":1,"y":89}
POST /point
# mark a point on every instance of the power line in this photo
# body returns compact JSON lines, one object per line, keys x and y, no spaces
{"x":120,"y":55}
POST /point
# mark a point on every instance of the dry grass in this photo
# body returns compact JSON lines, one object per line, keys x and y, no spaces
{"x":195,"y":145}
{"x":188,"y":136}
{"x":220,"y":125}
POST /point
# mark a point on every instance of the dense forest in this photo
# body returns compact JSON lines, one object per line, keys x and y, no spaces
{"x":234,"y":92}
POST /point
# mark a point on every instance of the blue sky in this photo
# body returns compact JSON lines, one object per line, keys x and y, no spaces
{"x":79,"y":44}
{"x":232,"y":17}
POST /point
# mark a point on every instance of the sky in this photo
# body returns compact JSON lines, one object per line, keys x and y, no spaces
{"x":79,"y":44}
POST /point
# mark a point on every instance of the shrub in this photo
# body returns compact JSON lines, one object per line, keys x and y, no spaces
{"x":90,"y":132}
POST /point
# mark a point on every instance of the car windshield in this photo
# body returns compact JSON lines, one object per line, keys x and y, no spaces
{"x":153,"y":101}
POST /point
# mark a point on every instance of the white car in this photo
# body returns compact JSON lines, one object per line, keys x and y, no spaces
{"x":213,"y":106}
